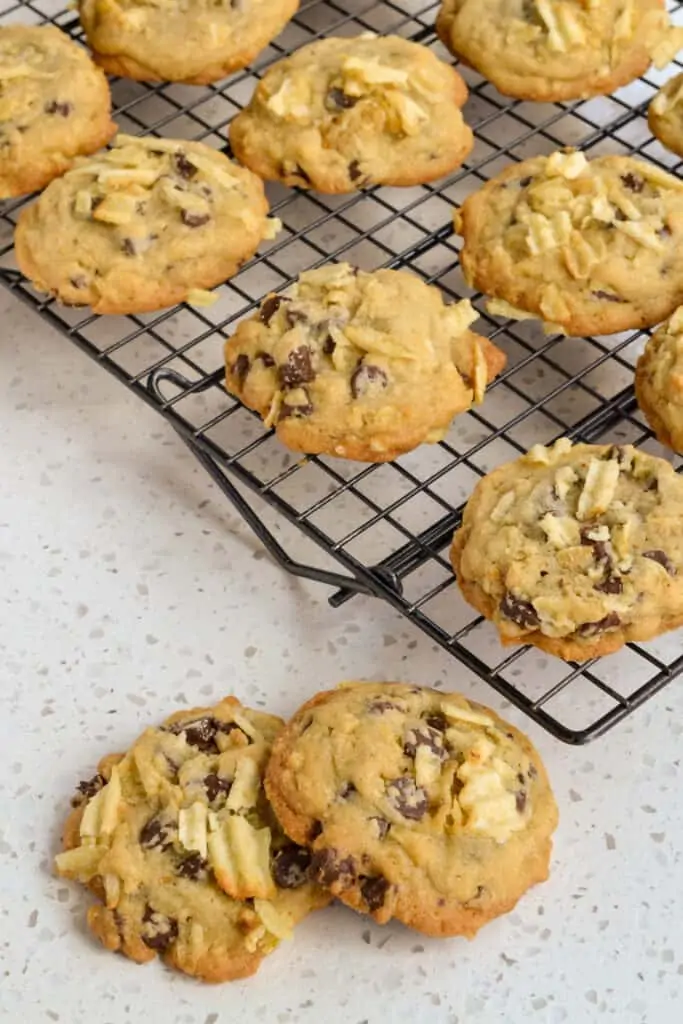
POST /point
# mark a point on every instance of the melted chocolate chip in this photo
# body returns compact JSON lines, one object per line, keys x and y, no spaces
{"x":425,"y":737}
{"x":294,"y":411}
{"x":329,"y":345}
{"x":382,"y":826}
{"x":338,"y":99}
{"x":520,"y":800}
{"x":354,"y":171}
{"x":194,"y":220}
{"x":374,"y":891}
{"x":298,"y":369}
{"x":329,"y":868}
{"x":632,"y":182}
{"x":201,"y":733}
{"x":241,"y":367}
{"x":184,"y":167}
{"x":662,"y":559}
{"x":347,"y":790}
{"x":520,"y":612}
{"x":610,"y":585}
{"x":55,"y":107}
{"x":409,"y":799}
{"x":290,"y":866}
{"x":158,"y":931}
{"x":193,"y":866}
{"x":89,"y":787}
{"x":367,"y":380}
{"x":607,"y":296}
{"x":269,"y":308}
{"x":379,"y":705}
{"x":589,"y":629}
{"x":215,"y":785}
{"x":265,"y":358}
{"x":436,"y":720}
{"x":155,"y":834}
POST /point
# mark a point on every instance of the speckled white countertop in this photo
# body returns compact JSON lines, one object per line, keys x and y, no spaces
{"x":130,"y":587}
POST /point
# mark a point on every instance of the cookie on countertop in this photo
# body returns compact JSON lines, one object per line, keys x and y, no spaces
{"x":577,"y":549}
{"x":416,"y":804}
{"x":552,"y":50}
{"x":177,"y":840}
{"x":190,"y":41}
{"x":665,"y":115}
{"x":54,"y":106}
{"x":142,"y":226}
{"x":591,"y":247}
{"x":659,"y":382}
{"x":360,"y":365}
{"x":340,"y":114}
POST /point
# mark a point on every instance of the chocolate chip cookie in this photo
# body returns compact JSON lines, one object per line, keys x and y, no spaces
{"x":340,"y":114}
{"x":592,"y":247}
{"x":416,"y":804}
{"x":659,"y":382}
{"x":359,"y":365}
{"x":54,"y":106}
{"x":144,"y":225}
{"x":179,"y":844}
{"x":551,"y":50}
{"x":665,"y":115}
{"x":576,"y":549}
{"x":190,"y":41}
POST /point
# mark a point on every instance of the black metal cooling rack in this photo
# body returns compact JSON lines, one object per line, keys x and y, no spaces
{"x":384,"y":530}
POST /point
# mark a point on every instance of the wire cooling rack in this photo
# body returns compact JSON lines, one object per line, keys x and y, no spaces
{"x":384,"y":530}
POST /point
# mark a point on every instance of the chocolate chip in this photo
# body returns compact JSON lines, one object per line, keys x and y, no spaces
{"x":382,"y":826}
{"x":194,"y":220}
{"x":315,"y":830}
{"x":521,"y":612}
{"x":184,"y":167}
{"x":241,"y":367}
{"x":338,"y":99}
{"x":610,"y":585}
{"x":328,"y":868}
{"x":329,"y":345}
{"x":662,"y":559}
{"x":128,"y":246}
{"x":407,"y":797}
{"x":379,"y":705}
{"x":520,"y":800}
{"x":354,"y":171}
{"x":265,"y":358}
{"x":89,"y":787}
{"x":298,"y":368}
{"x":270,"y":307}
{"x":589,"y":629}
{"x":632,"y":182}
{"x":425,"y":737}
{"x":294,"y":411}
{"x":201,"y":732}
{"x":193,"y":866}
{"x":215,"y":785}
{"x":367,"y":380}
{"x":521,"y":778}
{"x":55,"y":107}
{"x":290,"y":866}
{"x":158,"y":931}
{"x":608,"y":296}
{"x":347,"y":790}
{"x":437,"y":720}
{"x":374,"y":891}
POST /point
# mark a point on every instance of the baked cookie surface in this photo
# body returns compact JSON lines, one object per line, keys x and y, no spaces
{"x":177,"y":840}
{"x":54,"y":106}
{"x":190,"y":41}
{"x":340,"y":114}
{"x":592,"y":247}
{"x":576,"y":549}
{"x":659,"y":382}
{"x":416,"y":804}
{"x":552,"y":50}
{"x":359,"y":365}
{"x":665,"y":115}
{"x":142,"y":226}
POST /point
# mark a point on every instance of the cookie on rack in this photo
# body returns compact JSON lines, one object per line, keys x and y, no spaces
{"x":665,"y":115}
{"x":190,"y":41}
{"x":417,"y":805}
{"x":341,"y":114}
{"x":659,"y":382}
{"x":147,"y":224}
{"x":552,"y":50}
{"x":576,"y":549}
{"x":360,"y":365}
{"x":590,"y":247}
{"x":54,"y":106}
{"x":179,"y":844}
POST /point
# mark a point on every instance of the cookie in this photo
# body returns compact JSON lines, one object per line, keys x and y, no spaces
{"x":178,"y":842}
{"x":417,"y":805}
{"x":665,"y":115}
{"x":144,"y":225}
{"x":360,"y":365}
{"x":54,"y":106}
{"x":189,"y":41}
{"x":577,"y":549}
{"x":341,"y":114}
{"x":592,"y":247}
{"x":659,"y":382}
{"x":552,"y":50}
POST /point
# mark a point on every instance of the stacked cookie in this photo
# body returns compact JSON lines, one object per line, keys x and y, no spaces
{"x":218,"y":831}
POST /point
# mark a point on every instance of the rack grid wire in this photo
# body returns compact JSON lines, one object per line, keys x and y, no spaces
{"x":385,"y":529}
